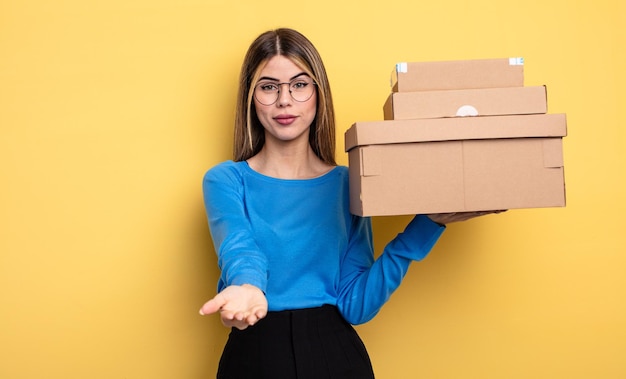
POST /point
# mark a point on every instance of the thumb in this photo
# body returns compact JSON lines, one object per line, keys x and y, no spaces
{"x":213,"y":305}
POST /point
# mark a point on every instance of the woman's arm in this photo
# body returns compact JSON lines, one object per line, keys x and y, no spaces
{"x":241,"y":300}
{"x":239,"y":257}
{"x":365,"y":284}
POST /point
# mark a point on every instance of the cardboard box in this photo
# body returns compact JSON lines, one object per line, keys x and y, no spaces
{"x":468,"y":102}
{"x":462,"y":74}
{"x":456,"y":164}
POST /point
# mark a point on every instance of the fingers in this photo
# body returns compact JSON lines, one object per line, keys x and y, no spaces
{"x":260,"y":313}
{"x":238,"y":321}
{"x":255,"y":316}
{"x":447,"y":218}
{"x":231,"y":322}
{"x":213,"y":305}
{"x":241,"y":320}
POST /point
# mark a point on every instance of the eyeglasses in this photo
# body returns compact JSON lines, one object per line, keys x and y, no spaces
{"x":301,"y":89}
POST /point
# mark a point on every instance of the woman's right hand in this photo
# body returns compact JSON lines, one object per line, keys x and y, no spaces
{"x":239,"y":306}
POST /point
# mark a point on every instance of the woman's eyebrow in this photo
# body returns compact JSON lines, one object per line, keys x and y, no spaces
{"x":277,"y":80}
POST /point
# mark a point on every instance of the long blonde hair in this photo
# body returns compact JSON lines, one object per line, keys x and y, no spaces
{"x":249,"y":133}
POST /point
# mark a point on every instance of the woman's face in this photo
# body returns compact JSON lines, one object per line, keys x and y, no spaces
{"x":290,"y":116}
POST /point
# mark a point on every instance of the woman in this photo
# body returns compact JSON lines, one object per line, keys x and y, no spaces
{"x":297,"y":269}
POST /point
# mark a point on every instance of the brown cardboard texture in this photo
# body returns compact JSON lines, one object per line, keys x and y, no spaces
{"x":468,"y":102}
{"x":456,"y":164}
{"x":461,"y":74}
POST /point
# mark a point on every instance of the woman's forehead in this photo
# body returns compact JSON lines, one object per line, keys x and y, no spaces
{"x":281,"y":68}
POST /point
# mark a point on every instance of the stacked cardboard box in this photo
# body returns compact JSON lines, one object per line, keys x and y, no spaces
{"x":458,"y":136}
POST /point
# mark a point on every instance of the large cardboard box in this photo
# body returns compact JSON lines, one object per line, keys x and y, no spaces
{"x":456,"y":164}
{"x":468,"y":102}
{"x":462,"y":74}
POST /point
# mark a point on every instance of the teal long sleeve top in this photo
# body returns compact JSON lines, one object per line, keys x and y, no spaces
{"x":297,"y":241}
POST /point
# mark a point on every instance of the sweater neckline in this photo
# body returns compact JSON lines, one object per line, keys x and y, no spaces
{"x":257,"y":174}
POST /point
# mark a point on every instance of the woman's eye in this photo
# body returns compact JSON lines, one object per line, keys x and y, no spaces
{"x":269,"y":87}
{"x":299,"y":85}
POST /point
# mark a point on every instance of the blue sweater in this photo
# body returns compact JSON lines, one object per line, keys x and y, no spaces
{"x":297,"y":241}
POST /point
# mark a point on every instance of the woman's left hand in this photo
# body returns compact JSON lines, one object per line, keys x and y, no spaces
{"x":447,"y":218}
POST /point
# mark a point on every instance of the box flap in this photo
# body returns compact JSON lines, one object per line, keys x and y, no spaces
{"x":552,"y":153}
{"x":451,"y":129}
{"x":370,"y":164}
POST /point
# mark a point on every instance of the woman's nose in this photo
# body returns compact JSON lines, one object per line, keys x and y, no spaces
{"x":284,"y":94}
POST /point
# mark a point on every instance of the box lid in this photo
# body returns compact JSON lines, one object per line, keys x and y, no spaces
{"x":451,"y":129}
{"x":466,"y":102}
{"x":458,"y":74}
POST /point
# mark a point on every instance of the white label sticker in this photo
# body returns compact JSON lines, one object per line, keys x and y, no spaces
{"x":466,"y":110}
{"x":401,"y":67}
{"x":518,"y":61}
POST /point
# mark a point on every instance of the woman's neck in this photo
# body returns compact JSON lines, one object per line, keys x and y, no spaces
{"x":288,"y":163}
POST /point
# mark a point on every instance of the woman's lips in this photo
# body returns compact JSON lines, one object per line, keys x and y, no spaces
{"x":285,"y":119}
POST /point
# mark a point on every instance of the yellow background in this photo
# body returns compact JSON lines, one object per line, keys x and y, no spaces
{"x":111,"y":112}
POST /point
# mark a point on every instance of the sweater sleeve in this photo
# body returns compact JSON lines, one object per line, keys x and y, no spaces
{"x":366,"y":284}
{"x":239,"y":258}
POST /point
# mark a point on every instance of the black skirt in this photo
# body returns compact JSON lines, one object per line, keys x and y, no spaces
{"x":315,"y":343}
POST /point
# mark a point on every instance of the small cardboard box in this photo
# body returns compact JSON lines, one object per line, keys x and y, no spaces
{"x":462,"y":74}
{"x":456,"y":164}
{"x":468,"y":102}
